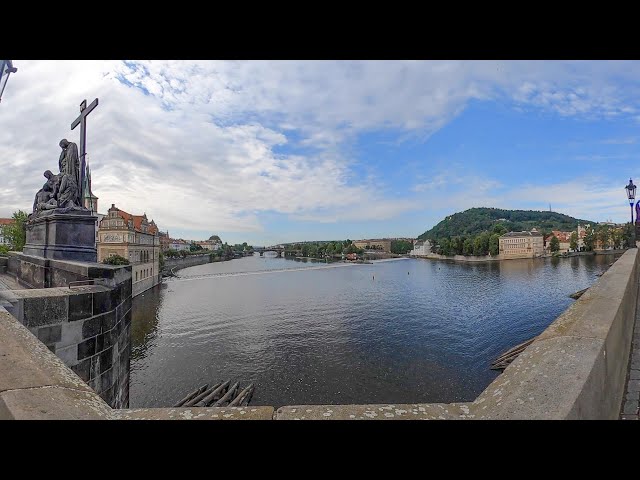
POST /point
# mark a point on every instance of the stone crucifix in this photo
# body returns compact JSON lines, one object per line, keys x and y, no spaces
{"x":82,"y":121}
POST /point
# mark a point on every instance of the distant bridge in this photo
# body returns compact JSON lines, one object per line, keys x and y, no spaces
{"x":276,"y":248}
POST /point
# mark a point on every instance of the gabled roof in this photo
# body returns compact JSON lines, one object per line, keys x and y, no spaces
{"x":136,"y":220}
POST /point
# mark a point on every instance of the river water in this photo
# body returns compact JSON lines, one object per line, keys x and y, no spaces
{"x":401,"y":331}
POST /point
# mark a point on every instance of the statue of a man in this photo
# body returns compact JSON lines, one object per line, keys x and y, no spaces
{"x":70,"y":165}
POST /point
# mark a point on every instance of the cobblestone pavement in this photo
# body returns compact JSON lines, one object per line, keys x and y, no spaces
{"x":630,"y":404}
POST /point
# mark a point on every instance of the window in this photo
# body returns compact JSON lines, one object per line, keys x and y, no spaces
{"x":136,"y":276}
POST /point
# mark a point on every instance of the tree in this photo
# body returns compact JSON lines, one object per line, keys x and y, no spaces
{"x":494,"y":244}
{"x":628,"y":236}
{"x":573,"y":241}
{"x":16,"y":232}
{"x":554,"y":244}
{"x":467,"y":248}
{"x":401,"y":247}
{"x":161,"y":260}
{"x":589,"y":238}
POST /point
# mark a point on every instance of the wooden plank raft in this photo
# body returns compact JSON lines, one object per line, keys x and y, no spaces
{"x":510,"y":355}
{"x":219,"y":395}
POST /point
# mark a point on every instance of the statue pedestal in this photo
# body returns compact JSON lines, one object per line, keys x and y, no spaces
{"x":63,"y":236}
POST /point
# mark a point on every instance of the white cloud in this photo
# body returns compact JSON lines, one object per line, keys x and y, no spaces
{"x":199,"y":145}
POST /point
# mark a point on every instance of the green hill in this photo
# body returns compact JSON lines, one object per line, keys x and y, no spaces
{"x":477,"y":220}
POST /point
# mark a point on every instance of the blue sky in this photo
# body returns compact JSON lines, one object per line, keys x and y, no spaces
{"x":278,"y":151}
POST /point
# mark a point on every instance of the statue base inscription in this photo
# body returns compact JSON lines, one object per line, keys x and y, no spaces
{"x":63,"y":236}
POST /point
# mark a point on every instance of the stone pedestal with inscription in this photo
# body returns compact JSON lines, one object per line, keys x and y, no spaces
{"x":63,"y":236}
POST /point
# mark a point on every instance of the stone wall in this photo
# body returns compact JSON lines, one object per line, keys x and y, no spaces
{"x":144,"y":285}
{"x":176,"y":264}
{"x":88,"y":327}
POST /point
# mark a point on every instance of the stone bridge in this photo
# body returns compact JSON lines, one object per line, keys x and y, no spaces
{"x":278,"y":250}
{"x":582,"y":366}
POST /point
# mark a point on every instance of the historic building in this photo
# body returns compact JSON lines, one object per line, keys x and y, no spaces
{"x":179,"y":244}
{"x":377,"y":244}
{"x":564,"y":239}
{"x":421,"y":248}
{"x":521,"y":244}
{"x":4,"y":222}
{"x":136,"y":239}
{"x":165,"y":241}
{"x":213,"y":243}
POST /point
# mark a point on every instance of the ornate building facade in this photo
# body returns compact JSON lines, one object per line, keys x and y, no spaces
{"x":136,"y":239}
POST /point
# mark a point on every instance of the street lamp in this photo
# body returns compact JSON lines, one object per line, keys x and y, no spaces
{"x":631,"y":195}
{"x":6,"y":68}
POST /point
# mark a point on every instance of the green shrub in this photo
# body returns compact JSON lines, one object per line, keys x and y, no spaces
{"x":116,"y":260}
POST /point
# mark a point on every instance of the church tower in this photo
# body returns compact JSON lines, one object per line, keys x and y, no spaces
{"x":89,"y":201}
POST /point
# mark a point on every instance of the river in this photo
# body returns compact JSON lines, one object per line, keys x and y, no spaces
{"x":401,"y":331}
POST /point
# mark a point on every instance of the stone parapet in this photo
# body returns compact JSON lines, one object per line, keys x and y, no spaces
{"x":87,"y":327}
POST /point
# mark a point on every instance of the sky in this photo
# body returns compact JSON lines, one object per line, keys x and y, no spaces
{"x":280,"y":151}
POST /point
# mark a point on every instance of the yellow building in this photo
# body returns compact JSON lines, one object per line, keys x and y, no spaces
{"x":379,"y":244}
{"x":521,"y":244}
{"x":134,"y":238}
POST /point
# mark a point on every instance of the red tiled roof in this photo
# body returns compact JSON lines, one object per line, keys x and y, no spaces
{"x":563,"y":237}
{"x":6,"y":221}
{"x":137,"y":221}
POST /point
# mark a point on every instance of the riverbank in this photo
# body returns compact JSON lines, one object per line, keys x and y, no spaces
{"x":499,"y":258}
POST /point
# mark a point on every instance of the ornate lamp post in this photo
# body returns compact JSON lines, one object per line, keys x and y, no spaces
{"x":6,"y":68}
{"x":631,"y":195}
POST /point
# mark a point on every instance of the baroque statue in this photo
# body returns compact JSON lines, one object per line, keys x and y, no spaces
{"x":60,"y":193}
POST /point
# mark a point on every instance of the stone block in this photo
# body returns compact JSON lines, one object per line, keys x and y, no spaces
{"x":106,"y":360}
{"x":71,"y":334}
{"x":39,"y":311}
{"x":86,"y":348}
{"x":80,"y":306}
{"x":108,"y":320}
{"x":53,"y":404}
{"x":92,"y":327}
{"x":51,"y":334}
{"x":69,"y":236}
{"x":27,"y":363}
{"x":634,"y":375}
{"x":633,"y":386}
{"x":83,"y":369}
{"x":210,"y":413}
{"x":102,"y":302}
{"x":103,"y":342}
{"x":630,"y":407}
{"x":69,"y":355}
{"x":632,"y":396}
{"x":116,"y":296}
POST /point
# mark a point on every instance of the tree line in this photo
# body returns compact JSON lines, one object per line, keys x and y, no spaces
{"x":474,"y":221}
{"x":488,"y":242}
